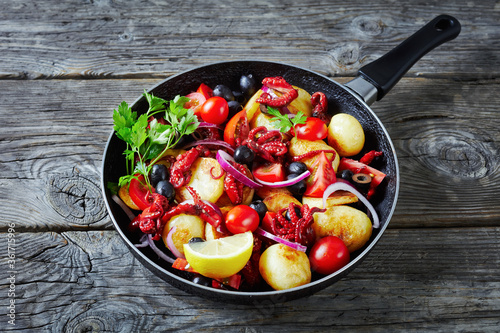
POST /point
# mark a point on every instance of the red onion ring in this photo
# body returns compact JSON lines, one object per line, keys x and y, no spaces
{"x":293,"y":245}
{"x":223,"y":158}
{"x":211,"y":204}
{"x":209,"y":142}
{"x":156,"y":250}
{"x":170,"y":244}
{"x":209,"y":125}
{"x":143,"y":241}
{"x":340,"y":185}
{"x":125,"y":208}
{"x":285,"y":183}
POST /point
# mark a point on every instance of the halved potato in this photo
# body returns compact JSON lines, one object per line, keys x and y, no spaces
{"x":279,"y":201}
{"x":207,"y":187}
{"x":349,"y":224}
{"x":187,"y":227}
{"x":335,"y":199}
{"x":125,"y":196}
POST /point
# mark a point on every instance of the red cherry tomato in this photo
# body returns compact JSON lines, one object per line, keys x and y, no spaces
{"x":322,"y":176}
{"x":196,"y":100}
{"x":242,"y":218}
{"x":267,"y":221}
{"x":236,"y":127}
{"x":328,"y":255}
{"x":313,"y":129}
{"x":271,"y":172}
{"x":215,"y":110}
{"x":205,"y":90}
{"x":139,"y":192}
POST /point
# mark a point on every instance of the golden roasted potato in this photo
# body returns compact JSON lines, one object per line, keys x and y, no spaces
{"x":299,"y":147}
{"x":346,"y":134}
{"x":125,"y":196}
{"x":187,"y":227}
{"x":211,"y":232}
{"x":283,"y":267}
{"x":266,"y":191}
{"x":202,"y":181}
{"x":349,"y":224}
{"x":252,"y":106}
{"x":301,"y":103}
{"x":278,"y":201}
{"x":335,"y":199}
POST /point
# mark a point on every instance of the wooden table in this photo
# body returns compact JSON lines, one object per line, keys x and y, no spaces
{"x":65,"y":65}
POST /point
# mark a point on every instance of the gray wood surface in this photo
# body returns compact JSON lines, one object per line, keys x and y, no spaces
{"x":65,"y":65}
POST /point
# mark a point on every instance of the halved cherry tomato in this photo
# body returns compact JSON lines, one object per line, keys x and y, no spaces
{"x":358,"y":167}
{"x":266,"y":221}
{"x":328,"y":255}
{"x":139,"y":192}
{"x":215,"y":110}
{"x":205,"y":91}
{"x":196,"y":100}
{"x":313,"y":129}
{"x":321,"y":176}
{"x":236,"y":127}
{"x":270,"y":172}
{"x":242,"y":218}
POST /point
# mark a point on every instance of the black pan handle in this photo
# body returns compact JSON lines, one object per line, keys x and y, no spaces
{"x":386,"y":71}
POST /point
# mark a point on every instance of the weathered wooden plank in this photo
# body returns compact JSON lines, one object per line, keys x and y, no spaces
{"x":414,"y":280}
{"x":445,"y":133}
{"x":104,"y":39}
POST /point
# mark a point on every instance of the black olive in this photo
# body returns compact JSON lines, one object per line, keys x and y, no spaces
{"x":234,"y":108}
{"x":297,"y":212}
{"x":297,"y":168}
{"x":166,"y":189}
{"x":298,"y":188}
{"x":346,"y":175}
{"x":362,"y":181}
{"x":202,"y":280}
{"x":196,"y":240}
{"x":248,"y":85}
{"x":158,"y":172}
{"x":260,"y":207}
{"x":224,"y":92}
{"x":243,"y":155}
{"x":238,"y":96}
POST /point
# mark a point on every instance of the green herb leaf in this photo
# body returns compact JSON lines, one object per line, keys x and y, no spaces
{"x":284,"y":122}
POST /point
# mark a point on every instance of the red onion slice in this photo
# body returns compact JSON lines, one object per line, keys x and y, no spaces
{"x":209,"y":125}
{"x":209,"y":142}
{"x":125,"y":208}
{"x":348,"y":187}
{"x":285,"y":183}
{"x":223,"y":158}
{"x":293,"y":245}
{"x":170,"y":244}
{"x":156,"y":250}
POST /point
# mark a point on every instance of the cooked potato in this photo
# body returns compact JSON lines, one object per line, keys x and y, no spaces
{"x":346,"y":134}
{"x":248,"y":193}
{"x":299,"y":147}
{"x":283,"y":267}
{"x":301,"y":103}
{"x":266,"y":191}
{"x":349,"y":224}
{"x":187,"y":227}
{"x":125,"y":196}
{"x":212,"y":233}
{"x":335,"y":199}
{"x":202,"y":181}
{"x":262,"y":119}
{"x":252,"y":107}
{"x":278,"y":201}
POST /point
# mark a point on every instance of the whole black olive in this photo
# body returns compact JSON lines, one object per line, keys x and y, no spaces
{"x":297,"y":168}
{"x":166,"y":189}
{"x":158,"y":172}
{"x":298,"y":188}
{"x":224,"y":92}
{"x":243,"y":155}
{"x":260,"y":207}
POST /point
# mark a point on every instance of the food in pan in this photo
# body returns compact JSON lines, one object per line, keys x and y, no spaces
{"x":248,"y":189}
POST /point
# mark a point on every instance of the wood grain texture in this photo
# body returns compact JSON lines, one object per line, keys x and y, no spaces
{"x":66,"y":65}
{"x":107,"y":39}
{"x":415,"y":280}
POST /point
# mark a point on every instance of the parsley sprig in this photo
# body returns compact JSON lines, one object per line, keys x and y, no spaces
{"x":149,"y":140}
{"x":283,"y":121}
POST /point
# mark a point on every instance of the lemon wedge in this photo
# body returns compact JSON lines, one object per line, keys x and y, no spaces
{"x":222,"y":257}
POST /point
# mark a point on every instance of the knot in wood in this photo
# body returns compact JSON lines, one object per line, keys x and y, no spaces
{"x":91,"y":323}
{"x":369,"y":25}
{"x":76,"y":198}
{"x":346,"y":54}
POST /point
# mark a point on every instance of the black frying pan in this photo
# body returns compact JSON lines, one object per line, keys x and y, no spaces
{"x":372,"y":83}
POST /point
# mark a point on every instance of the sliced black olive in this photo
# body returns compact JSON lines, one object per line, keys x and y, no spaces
{"x":362,"y":181}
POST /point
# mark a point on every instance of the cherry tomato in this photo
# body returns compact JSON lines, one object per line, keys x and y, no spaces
{"x":357,"y":167}
{"x":328,"y":255}
{"x":236,"y":127}
{"x":242,"y":218}
{"x":271,"y":172}
{"x":139,"y":192}
{"x":196,"y":100}
{"x":205,"y":90}
{"x":313,"y":129}
{"x":215,"y":110}
{"x":322,"y":176}
{"x":266,"y":221}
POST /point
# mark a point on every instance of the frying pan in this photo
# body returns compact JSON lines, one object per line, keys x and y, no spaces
{"x":372,"y":83}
